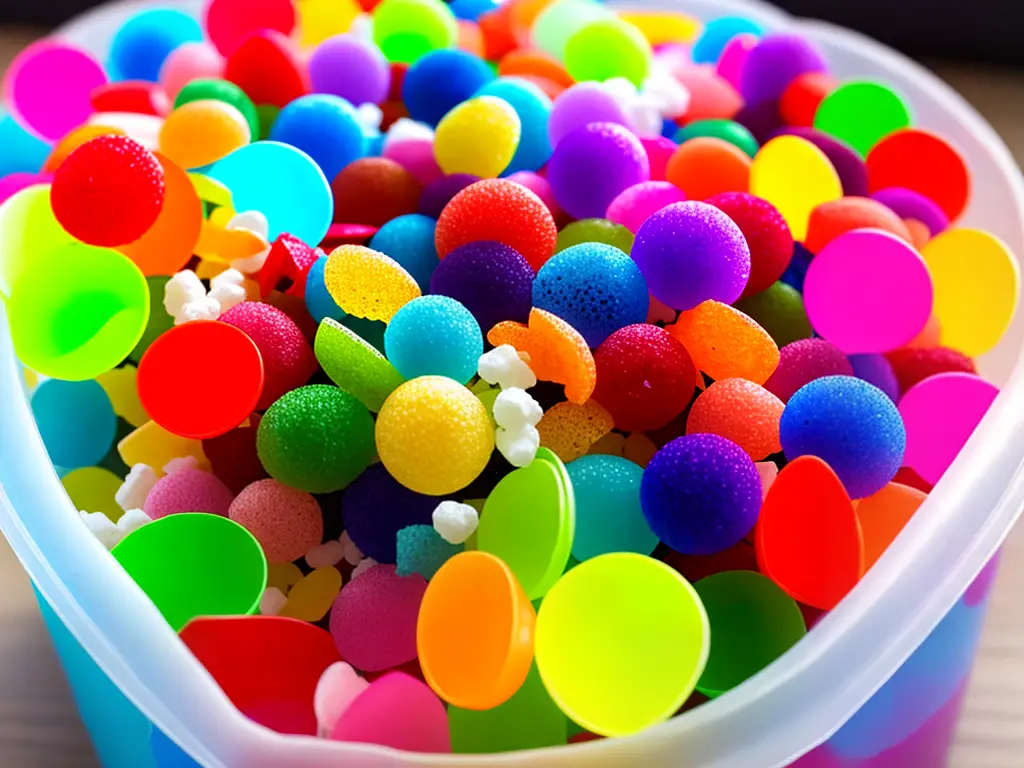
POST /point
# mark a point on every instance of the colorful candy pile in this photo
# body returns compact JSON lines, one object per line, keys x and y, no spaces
{"x":528,"y":367}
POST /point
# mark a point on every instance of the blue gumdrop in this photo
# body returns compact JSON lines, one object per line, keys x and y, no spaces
{"x":319,"y":302}
{"x":594,"y":287}
{"x":608,"y":513}
{"x":146,"y":39}
{"x":717,"y":34}
{"x":875,"y":369}
{"x":701,"y":494}
{"x":409,"y":240}
{"x":441,"y":80}
{"x":76,"y":421}
{"x":323,"y":126}
{"x":850,"y":424}
{"x":422,"y":550}
{"x":376,"y":507}
{"x":434,"y":336}
{"x":534,"y":108}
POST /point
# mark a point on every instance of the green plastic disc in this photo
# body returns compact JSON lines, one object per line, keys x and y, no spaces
{"x":222,"y":90}
{"x":608,"y":48}
{"x":595,"y":231}
{"x":862,"y":114}
{"x":28,"y":233}
{"x":405,"y":30}
{"x":780,"y":311}
{"x":354,"y":365}
{"x":727,"y":130}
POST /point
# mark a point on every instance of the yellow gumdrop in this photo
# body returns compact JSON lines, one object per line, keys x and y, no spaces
{"x":119,"y":384}
{"x":796,"y":177}
{"x":366,"y":283}
{"x":92,"y":489}
{"x":639,"y":449}
{"x":478,"y":137}
{"x":975,"y":281}
{"x":569,"y":430}
{"x":321,"y":19}
{"x":434,"y":436}
{"x":154,"y":446}
{"x":612,"y":444}
{"x":284,"y":576}
{"x":312,"y":597}
{"x":202,"y":132}
{"x":28,"y":231}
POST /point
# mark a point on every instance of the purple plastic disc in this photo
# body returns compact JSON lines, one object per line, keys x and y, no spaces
{"x":853,"y":174}
{"x":774,"y":63}
{"x":441,"y":191}
{"x":350,"y":68}
{"x":908,"y":204}
{"x":581,"y":104}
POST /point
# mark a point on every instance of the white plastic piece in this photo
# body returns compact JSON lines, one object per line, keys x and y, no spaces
{"x":515,"y":408}
{"x":455,"y":522}
{"x":131,"y":521}
{"x":272,"y":602}
{"x":663,"y":90}
{"x":503,"y":366}
{"x":144,"y":129}
{"x":227,"y":289}
{"x":351,"y":555}
{"x":182,"y":462}
{"x":325,"y":555}
{"x":252,"y":221}
{"x":364,"y":565}
{"x":518,"y":446}
{"x":200,"y":309}
{"x":136,"y":487}
{"x":338,"y":687}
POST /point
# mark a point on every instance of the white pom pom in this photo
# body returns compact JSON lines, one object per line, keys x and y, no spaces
{"x":515,"y":408}
{"x":519,"y":446}
{"x":136,"y":487}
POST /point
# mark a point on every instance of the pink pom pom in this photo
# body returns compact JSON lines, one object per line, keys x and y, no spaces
{"x":188,"y":490}
{"x":285,"y":521}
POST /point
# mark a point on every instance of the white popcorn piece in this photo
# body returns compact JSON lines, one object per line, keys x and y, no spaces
{"x":361,"y":28}
{"x":369,"y":117}
{"x":200,"y":309}
{"x":661,"y":96}
{"x":405,"y":129}
{"x":503,"y":366}
{"x":131,"y":521}
{"x":515,"y":408}
{"x":136,"y":487}
{"x":518,"y":446}
{"x":455,"y":522}
{"x":364,"y":565}
{"x":338,"y":687}
{"x":671,"y":97}
{"x":102,"y":527}
{"x":252,"y":221}
{"x":325,"y":555}
{"x":227,"y":289}
{"x":183,"y":288}
{"x":182,"y":462}
{"x":272,"y":602}
{"x":252,"y":264}
{"x":352,"y":555}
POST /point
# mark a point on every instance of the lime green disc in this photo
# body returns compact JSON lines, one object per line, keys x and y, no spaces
{"x":29,"y":232}
{"x":620,"y":642}
{"x":92,"y":489}
{"x":561,"y":20}
{"x":862,"y":114}
{"x":726,"y":130}
{"x":608,"y":48}
{"x":193,"y":564}
{"x":595,"y":231}
{"x":354,"y":365}
{"x":779,"y":310}
{"x":221,"y":90}
{"x":159,"y":321}
{"x":405,"y":30}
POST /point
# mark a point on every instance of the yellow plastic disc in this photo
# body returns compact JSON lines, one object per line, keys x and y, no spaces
{"x":321,"y":19}
{"x":154,"y":446}
{"x":120,"y":387}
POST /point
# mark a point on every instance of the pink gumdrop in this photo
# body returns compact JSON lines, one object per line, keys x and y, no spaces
{"x":48,"y":87}
{"x":373,"y":620}
{"x":540,"y":187}
{"x":13,"y":183}
{"x":337,"y":688}
{"x":285,"y":521}
{"x":188,"y":490}
{"x":939,"y":414}
{"x":188,"y":62}
{"x":659,"y":149}
{"x":396,"y":711}
{"x":417,"y":157}
{"x":635,"y":204}
{"x":734,"y":56}
{"x":768,"y":471}
{"x":868,"y":291}
{"x":803,"y":361}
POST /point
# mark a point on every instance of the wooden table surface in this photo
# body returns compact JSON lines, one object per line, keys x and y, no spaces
{"x":39,"y":726}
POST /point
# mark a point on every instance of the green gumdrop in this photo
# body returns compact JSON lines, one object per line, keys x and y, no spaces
{"x":561,"y":20}
{"x":267,"y":116}
{"x":608,"y":48}
{"x":780,"y":311}
{"x":529,"y":720}
{"x":862,"y":114}
{"x":370,"y":331}
{"x":354,"y":365}
{"x":222,"y":90}
{"x":595,"y":231}
{"x":316,"y":438}
{"x":194,"y":564}
{"x":726,"y":130}
{"x":422,"y":550}
{"x":753,"y":623}
{"x":29,"y":232}
{"x":406,"y":30}
{"x":159,"y":320}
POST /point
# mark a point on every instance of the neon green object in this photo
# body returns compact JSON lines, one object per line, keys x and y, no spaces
{"x":608,"y":48}
{"x":194,"y":564}
{"x":93,"y":489}
{"x":78,"y":312}
{"x":561,"y":20}
{"x":354,"y":365}
{"x":726,"y":130}
{"x":405,"y":30}
{"x":159,"y":320}
{"x":595,"y":231}
{"x":620,"y":642}
{"x":862,"y":114}
{"x":529,"y":521}
{"x":28,"y":233}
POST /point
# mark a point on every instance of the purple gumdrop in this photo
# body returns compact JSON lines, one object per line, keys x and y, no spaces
{"x":774,"y":63}
{"x":761,"y":119}
{"x":853,"y":173}
{"x":691,"y":252}
{"x":581,"y":104}
{"x":701,"y":494}
{"x":592,"y":165}
{"x":908,"y":204}
{"x":493,"y":281}
{"x":350,"y":68}
{"x":875,"y":369}
{"x":440,"y":192}
{"x":804,"y":361}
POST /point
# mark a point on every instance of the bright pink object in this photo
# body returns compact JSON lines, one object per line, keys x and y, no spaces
{"x":417,"y":157}
{"x":868,"y":291}
{"x":540,"y":187}
{"x":803,"y":361}
{"x":339,"y":686}
{"x":47,"y":87}
{"x":939,"y":414}
{"x":659,"y":149}
{"x":188,"y":62}
{"x":768,"y":470}
{"x":15,"y":182}
{"x":188,"y":490}
{"x":229,"y":22}
{"x":396,"y":711}
{"x":285,"y":521}
{"x":635,"y":204}
{"x":734,"y":56}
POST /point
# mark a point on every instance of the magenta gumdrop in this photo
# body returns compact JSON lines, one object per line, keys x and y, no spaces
{"x":188,"y":490}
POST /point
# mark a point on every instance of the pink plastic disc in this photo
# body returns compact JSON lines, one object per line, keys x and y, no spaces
{"x":635,"y":204}
{"x":940,"y":413}
{"x":48,"y":85}
{"x":868,"y":291}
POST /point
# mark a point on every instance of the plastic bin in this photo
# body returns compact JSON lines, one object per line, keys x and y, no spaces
{"x":877,"y":683}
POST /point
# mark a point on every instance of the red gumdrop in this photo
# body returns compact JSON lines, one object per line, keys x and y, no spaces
{"x":917,"y":364}
{"x":229,"y":22}
{"x":500,"y":210}
{"x":645,"y":377}
{"x":802,"y":97}
{"x":137,"y":96}
{"x":109,"y":191}
{"x":286,"y":266}
{"x":767,"y":234}
{"x":268,"y":68}
{"x":808,"y":539}
{"x":374,"y":190}
{"x":804,"y":361}
{"x":296,"y":309}
{"x":837,"y":217}
{"x":907,"y":476}
{"x":739,"y":557}
{"x":288,"y":360}
{"x":233,"y":456}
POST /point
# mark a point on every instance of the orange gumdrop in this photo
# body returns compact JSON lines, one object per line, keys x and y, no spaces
{"x":707,"y":166}
{"x":837,"y":217}
{"x":711,"y":96}
{"x":883,"y":515}
{"x":73,"y":141}
{"x":639,"y":449}
{"x":808,"y":539}
{"x":725,"y":343}
{"x":523,"y":61}
{"x":919,"y":233}
{"x":202,"y":132}
{"x":929,"y":336}
{"x":802,"y":97}
{"x":741,"y":411}
{"x":569,"y":430}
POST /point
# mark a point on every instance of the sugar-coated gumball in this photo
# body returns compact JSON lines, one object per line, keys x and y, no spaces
{"x":142,"y":44}
{"x":581,"y":104}
{"x":377,"y":507}
{"x":285,"y":521}
{"x":591,"y":165}
{"x":608,"y":48}
{"x":851,"y":425}
{"x":742,"y":411}
{"x":478,"y":136}
{"x":374,"y":190}
{"x":876,"y":369}
{"x":911,"y":366}
{"x":541,"y":187}
{"x":319,"y":302}
{"x":316,"y":438}
{"x":75,"y":420}
{"x":366,"y":283}
{"x":774,"y":63}
{"x":534,"y":108}
{"x":440,"y":81}
{"x":439,"y":192}
{"x":635,"y":204}
{"x":354,"y":69}
{"x":608,"y":513}
{"x":804,"y":361}
{"x":409,"y":240}
{"x":766,"y":233}
{"x":188,"y":490}
{"x":323,"y":126}
{"x":434,"y":335}
{"x":406,"y":30}
{"x":595,"y":231}
{"x":691,"y":252}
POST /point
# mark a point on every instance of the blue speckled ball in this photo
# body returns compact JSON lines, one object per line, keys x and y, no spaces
{"x":608,"y":513}
{"x":319,"y":302}
{"x":594,"y":287}
{"x":376,"y":507}
{"x":76,"y":421}
{"x":409,"y":240}
{"x":146,"y":39}
{"x":875,"y":369}
{"x":422,"y":550}
{"x":701,"y":494}
{"x":323,"y":126}
{"x":492,"y":280}
{"x":441,"y":80}
{"x":434,"y":336}
{"x":534,"y":108}
{"x":850,"y":424}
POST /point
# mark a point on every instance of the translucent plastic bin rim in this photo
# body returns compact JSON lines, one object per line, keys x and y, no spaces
{"x":784,"y":711}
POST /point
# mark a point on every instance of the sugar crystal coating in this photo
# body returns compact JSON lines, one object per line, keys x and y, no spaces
{"x":802,"y":362}
{"x":479,"y":136}
{"x":355,"y":365}
{"x":409,"y":240}
{"x":285,"y":521}
{"x":569,"y":430}
{"x":915,"y":365}
{"x":724,"y":343}
{"x":780,"y":311}
{"x":368,"y":284}
{"x":188,"y":490}
{"x":608,"y":513}
{"x":422,"y":550}
{"x":741,"y":411}
{"x":766,"y":233}
{"x":635,"y":204}
{"x":434,"y":335}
